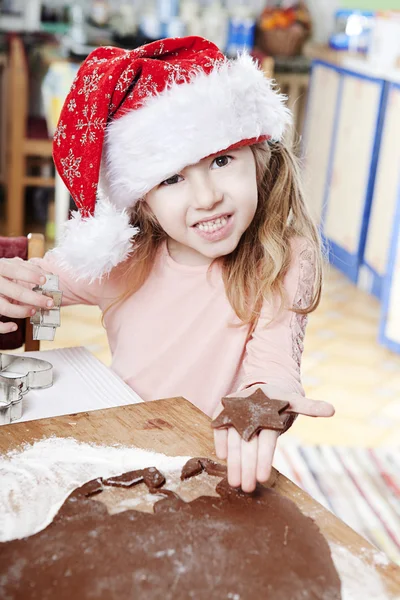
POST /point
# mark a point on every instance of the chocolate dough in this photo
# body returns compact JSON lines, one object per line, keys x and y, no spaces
{"x":237,"y":546}
{"x":150,"y":476}
{"x":251,"y":414}
{"x":195,"y":466}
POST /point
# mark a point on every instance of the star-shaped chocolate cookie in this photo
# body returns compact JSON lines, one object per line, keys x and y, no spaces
{"x":251,"y":414}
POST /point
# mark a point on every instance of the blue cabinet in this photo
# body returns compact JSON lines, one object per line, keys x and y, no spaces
{"x":389,"y":331}
{"x":318,"y":134}
{"x":352,"y":180}
{"x":348,"y":172}
{"x":384,"y":199}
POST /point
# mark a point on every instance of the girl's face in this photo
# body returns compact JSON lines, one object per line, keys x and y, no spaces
{"x":205,"y":209}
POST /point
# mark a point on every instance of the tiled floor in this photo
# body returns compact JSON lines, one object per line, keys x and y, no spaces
{"x":342,"y":363}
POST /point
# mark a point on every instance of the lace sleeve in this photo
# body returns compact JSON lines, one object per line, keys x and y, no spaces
{"x":302,"y":299}
{"x":273,"y":352}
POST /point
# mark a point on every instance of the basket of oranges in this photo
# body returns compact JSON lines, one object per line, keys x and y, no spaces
{"x":282,"y":32}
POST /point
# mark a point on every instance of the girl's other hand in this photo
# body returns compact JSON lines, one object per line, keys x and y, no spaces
{"x":251,"y":462}
{"x":17,"y":300}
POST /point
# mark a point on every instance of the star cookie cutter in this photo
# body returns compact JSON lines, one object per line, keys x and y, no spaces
{"x":45,"y":321}
{"x":19,"y":374}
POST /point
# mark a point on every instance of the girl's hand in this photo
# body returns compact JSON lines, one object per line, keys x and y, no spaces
{"x":249,"y":462}
{"x":17,"y":300}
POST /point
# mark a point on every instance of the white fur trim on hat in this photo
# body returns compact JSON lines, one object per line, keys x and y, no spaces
{"x":188,"y":122}
{"x":91,"y":247}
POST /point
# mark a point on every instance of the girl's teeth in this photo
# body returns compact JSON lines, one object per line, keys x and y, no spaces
{"x":213,"y":225}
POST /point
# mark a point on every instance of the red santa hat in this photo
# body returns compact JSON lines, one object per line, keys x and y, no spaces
{"x":134,"y":118}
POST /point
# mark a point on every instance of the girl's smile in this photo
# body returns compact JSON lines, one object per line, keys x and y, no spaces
{"x":215,"y":228}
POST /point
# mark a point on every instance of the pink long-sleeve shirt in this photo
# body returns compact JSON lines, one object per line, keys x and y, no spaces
{"x":174,"y":337}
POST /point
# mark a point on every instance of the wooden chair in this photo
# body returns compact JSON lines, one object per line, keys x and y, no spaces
{"x":33,"y":246}
{"x":27,"y":138}
{"x":267,"y":65}
{"x":3,"y":115}
{"x":295,"y":87}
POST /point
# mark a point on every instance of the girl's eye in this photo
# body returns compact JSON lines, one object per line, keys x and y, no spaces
{"x":222,"y":161}
{"x":171,"y":180}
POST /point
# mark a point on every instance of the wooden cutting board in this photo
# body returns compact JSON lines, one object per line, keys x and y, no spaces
{"x":175,"y":427}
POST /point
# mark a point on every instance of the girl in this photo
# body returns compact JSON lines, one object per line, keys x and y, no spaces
{"x":192,"y":234}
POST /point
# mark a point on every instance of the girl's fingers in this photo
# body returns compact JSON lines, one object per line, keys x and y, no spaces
{"x":221,"y":443}
{"x":266,"y":447}
{"x":298,"y":403}
{"x":220,"y":437}
{"x":7,"y":327}
{"x":23,"y":295}
{"x":310,"y":408}
{"x":249,"y":464}
{"x":15,"y":311}
{"x":22,"y":270}
{"x":234,"y":458}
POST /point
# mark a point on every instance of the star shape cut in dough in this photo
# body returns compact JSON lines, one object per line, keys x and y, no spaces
{"x":251,"y":414}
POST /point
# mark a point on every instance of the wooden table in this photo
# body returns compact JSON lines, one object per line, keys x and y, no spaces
{"x":175,"y":427}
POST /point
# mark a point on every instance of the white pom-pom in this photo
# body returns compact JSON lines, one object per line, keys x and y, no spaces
{"x":91,"y":247}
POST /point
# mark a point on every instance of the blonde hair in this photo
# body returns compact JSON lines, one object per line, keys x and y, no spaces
{"x":255,"y":270}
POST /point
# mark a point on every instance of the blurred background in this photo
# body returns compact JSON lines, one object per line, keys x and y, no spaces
{"x":338,"y":61}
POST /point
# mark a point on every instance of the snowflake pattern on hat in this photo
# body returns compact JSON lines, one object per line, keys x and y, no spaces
{"x":70,"y":166}
{"x":90,"y":123}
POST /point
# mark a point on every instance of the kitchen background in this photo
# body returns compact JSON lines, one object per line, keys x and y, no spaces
{"x":339,"y":64}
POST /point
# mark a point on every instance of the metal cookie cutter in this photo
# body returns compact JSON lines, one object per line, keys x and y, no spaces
{"x":24,"y":372}
{"x":45,"y":321}
{"x":10,"y":403}
{"x":19,"y":374}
